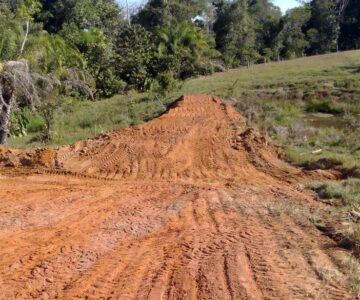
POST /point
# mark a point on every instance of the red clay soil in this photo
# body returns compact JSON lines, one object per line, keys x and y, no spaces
{"x":192,"y":205}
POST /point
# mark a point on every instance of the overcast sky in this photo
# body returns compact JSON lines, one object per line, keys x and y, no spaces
{"x":284,"y":4}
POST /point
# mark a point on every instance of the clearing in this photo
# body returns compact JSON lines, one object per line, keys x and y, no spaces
{"x":191,"y":205}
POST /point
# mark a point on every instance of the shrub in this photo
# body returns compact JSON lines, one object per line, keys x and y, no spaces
{"x":166,"y":82}
{"x":109,"y":84}
{"x":322,"y":106}
{"x":36,"y":123}
{"x":19,"y":123}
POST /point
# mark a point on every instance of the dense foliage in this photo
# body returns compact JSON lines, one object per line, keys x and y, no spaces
{"x":86,"y":48}
{"x":177,"y":38}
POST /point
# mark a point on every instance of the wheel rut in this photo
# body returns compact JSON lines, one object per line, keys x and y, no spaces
{"x":191,"y":205}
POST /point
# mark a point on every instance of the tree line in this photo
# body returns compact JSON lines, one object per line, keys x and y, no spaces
{"x":94,"y":49}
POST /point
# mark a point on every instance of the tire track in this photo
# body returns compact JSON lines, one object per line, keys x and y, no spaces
{"x":178,"y":208}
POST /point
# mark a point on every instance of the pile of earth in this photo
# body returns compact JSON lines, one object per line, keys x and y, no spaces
{"x":199,"y":138}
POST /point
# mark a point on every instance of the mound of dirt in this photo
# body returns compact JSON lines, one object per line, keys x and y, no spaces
{"x":199,"y":138}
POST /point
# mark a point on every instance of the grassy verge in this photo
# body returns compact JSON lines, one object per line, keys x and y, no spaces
{"x":78,"y":120}
{"x":344,"y":220}
{"x":348,"y":191}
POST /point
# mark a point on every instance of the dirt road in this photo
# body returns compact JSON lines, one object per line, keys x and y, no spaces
{"x":192,"y":205}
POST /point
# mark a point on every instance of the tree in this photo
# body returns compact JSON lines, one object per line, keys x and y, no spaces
{"x":50,"y":54}
{"x":26,"y":10}
{"x":267,"y":18}
{"x":186,"y":10}
{"x":294,"y":41}
{"x":13,"y":37}
{"x":153,"y":15}
{"x":135,"y":50}
{"x":350,"y":26}
{"x":99,"y":55}
{"x":157,"y":13}
{"x":105,"y":15}
{"x":235,"y":33}
{"x":323,"y":26}
{"x":187,"y":47}
{"x":11,"y":34}
{"x":92,"y":27}
{"x":55,"y":13}
{"x":84,"y":14}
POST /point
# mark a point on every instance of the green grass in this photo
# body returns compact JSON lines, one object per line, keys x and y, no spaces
{"x":79,"y":120}
{"x":348,"y":190}
{"x":322,"y":106}
{"x":340,"y":67}
{"x":342,"y":222}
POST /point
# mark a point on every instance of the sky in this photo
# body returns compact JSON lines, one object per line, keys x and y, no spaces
{"x":286,"y":4}
{"x":283,"y":4}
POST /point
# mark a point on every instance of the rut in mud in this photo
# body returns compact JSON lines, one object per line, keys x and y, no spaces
{"x":194,"y":210}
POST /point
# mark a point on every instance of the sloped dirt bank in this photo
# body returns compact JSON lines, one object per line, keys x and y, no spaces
{"x":199,"y":138}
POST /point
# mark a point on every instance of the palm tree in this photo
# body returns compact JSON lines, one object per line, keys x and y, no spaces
{"x":182,"y":39}
{"x":186,"y":49}
{"x":51,"y":54}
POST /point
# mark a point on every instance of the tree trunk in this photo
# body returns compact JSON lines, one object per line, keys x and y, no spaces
{"x":25,"y":38}
{"x":128,"y":13}
{"x":6,"y":101}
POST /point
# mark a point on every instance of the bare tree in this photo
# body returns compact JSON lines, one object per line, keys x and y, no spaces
{"x":27,"y":27}
{"x":6,"y":101}
{"x":15,"y":80}
{"x":131,"y":8}
{"x":128,"y":12}
{"x":17,"y":83}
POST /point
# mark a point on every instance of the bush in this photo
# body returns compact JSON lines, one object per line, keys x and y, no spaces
{"x":36,"y":123}
{"x":166,"y":83}
{"x":322,"y":106}
{"x":19,"y":123}
{"x":86,"y":123}
{"x":108,"y":84}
